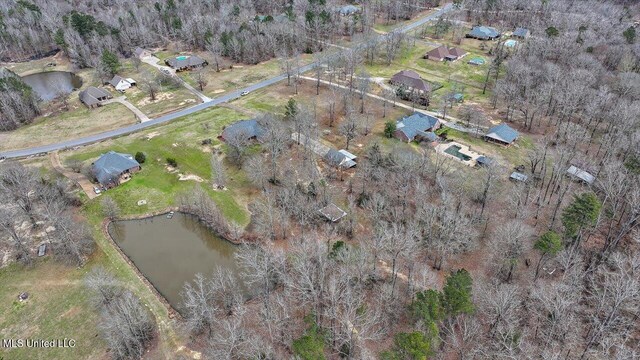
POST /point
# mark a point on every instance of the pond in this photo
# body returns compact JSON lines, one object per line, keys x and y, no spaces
{"x":171,"y":251}
{"x":48,"y":85}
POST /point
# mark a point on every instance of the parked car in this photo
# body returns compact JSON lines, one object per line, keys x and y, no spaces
{"x":244,"y":93}
{"x":97,"y":190}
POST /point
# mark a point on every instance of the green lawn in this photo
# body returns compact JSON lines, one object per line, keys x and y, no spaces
{"x":515,"y":154}
{"x":155,"y":184}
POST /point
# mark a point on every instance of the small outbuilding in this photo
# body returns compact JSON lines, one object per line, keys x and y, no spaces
{"x":122,"y":84}
{"x":340,"y":159}
{"x":502,"y":134}
{"x":332,"y":212}
{"x":93,"y":97}
{"x":141,"y":53}
{"x":484,"y":161}
{"x":42,"y":250}
{"x":483,"y":33}
{"x":349,"y":10}
{"x":519,"y":177}
{"x":521,"y":33}
{"x":580,"y":175}
{"x":113,"y":168}
{"x":186,"y":62}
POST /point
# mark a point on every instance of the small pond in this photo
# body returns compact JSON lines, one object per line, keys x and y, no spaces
{"x":48,"y":85}
{"x":171,"y":251}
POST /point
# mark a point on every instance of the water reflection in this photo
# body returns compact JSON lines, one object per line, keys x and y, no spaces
{"x":48,"y":85}
{"x":169,"y":252}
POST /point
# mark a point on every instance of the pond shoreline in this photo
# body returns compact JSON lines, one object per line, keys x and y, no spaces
{"x":173,"y":313}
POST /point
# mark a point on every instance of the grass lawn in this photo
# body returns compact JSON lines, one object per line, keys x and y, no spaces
{"x":78,"y":121}
{"x":513,"y":155}
{"x":155,"y":184}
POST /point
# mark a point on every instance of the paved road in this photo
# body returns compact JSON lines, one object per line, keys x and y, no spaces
{"x":213,"y":102}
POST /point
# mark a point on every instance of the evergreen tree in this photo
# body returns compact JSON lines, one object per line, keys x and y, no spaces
{"x":582,"y":212}
{"x":110,"y":62}
{"x":456,"y":294}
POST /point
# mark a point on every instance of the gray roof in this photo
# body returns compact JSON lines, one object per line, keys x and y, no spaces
{"x":581,"y":174}
{"x":417,"y":124}
{"x":521,"y":32}
{"x":184,"y":61}
{"x":349,"y":10}
{"x":518,"y":176}
{"x":116,"y":80}
{"x":503,"y":133}
{"x":90,"y":95}
{"x":484,"y":160}
{"x":246,"y":129}
{"x":111,"y":165}
{"x":484,"y":32}
{"x":338,"y":159}
{"x":410,"y":79}
{"x":332,"y":212}
{"x":138,"y":51}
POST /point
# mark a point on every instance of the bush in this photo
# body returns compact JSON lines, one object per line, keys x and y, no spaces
{"x":310,"y":346}
{"x":389,"y":129}
{"x":141,"y":157}
{"x":172,"y":162}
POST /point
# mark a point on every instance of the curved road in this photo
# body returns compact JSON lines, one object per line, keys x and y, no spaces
{"x":166,"y":118}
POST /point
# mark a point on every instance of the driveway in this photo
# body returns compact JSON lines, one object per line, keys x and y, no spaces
{"x":154,"y":61}
{"x":123,"y":100}
{"x":78,"y":178}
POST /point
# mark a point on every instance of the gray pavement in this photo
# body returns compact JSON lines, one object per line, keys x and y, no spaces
{"x":67,"y":144}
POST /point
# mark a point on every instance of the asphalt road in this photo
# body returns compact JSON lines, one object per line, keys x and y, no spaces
{"x":166,"y":118}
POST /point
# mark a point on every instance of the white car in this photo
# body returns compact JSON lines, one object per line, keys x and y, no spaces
{"x":97,"y":190}
{"x":244,"y":93}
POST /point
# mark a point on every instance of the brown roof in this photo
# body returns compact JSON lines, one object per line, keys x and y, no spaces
{"x":457,"y":52}
{"x":438,"y":53}
{"x":411,"y":79}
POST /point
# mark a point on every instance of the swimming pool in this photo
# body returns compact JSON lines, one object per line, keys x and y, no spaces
{"x":455,"y":151}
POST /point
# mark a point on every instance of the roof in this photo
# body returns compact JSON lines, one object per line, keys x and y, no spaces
{"x":521,"y":32}
{"x":484,"y":32}
{"x":457,"y":51}
{"x":339,"y":159}
{"x":111,"y":165}
{"x":184,"y":61}
{"x":116,"y":80}
{"x":347,"y":154}
{"x":484,"y":160}
{"x":416,"y":124}
{"x":247,"y":129}
{"x":90,"y":95}
{"x":581,"y":174}
{"x":439,"y":53}
{"x":333,"y":212}
{"x":349,"y":10}
{"x":138,"y":51}
{"x":411,"y":79}
{"x":503,"y":133}
{"x":518,"y":176}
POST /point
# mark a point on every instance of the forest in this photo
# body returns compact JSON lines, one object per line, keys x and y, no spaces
{"x":430,"y":261}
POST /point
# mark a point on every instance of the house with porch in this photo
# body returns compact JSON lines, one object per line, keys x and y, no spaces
{"x":418,"y":127}
{"x":113,"y":169}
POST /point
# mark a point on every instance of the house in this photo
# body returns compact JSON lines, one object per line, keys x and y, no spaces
{"x":122,"y":84}
{"x":340,"y":159}
{"x":483,"y":33}
{"x":521,"y":33}
{"x":93,"y":97}
{"x":113,"y":168}
{"x":185,"y":62}
{"x":332,"y":212}
{"x":581,"y":175}
{"x":411,"y":80}
{"x":349,"y":10}
{"x":417,"y":126}
{"x":517,"y":176}
{"x":442,"y":53}
{"x":141,"y":53}
{"x":243,"y":129}
{"x":502,"y":134}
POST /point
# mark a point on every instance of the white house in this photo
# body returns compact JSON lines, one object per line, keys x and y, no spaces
{"x":122,"y":84}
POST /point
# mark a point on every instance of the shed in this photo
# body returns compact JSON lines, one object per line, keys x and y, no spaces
{"x":521,"y":33}
{"x":349,"y":10}
{"x":580,"y":175}
{"x":517,"y":176}
{"x":502,"y":134}
{"x":141,"y":53}
{"x":484,"y":161}
{"x":332,"y":212}
{"x":42,"y":250}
